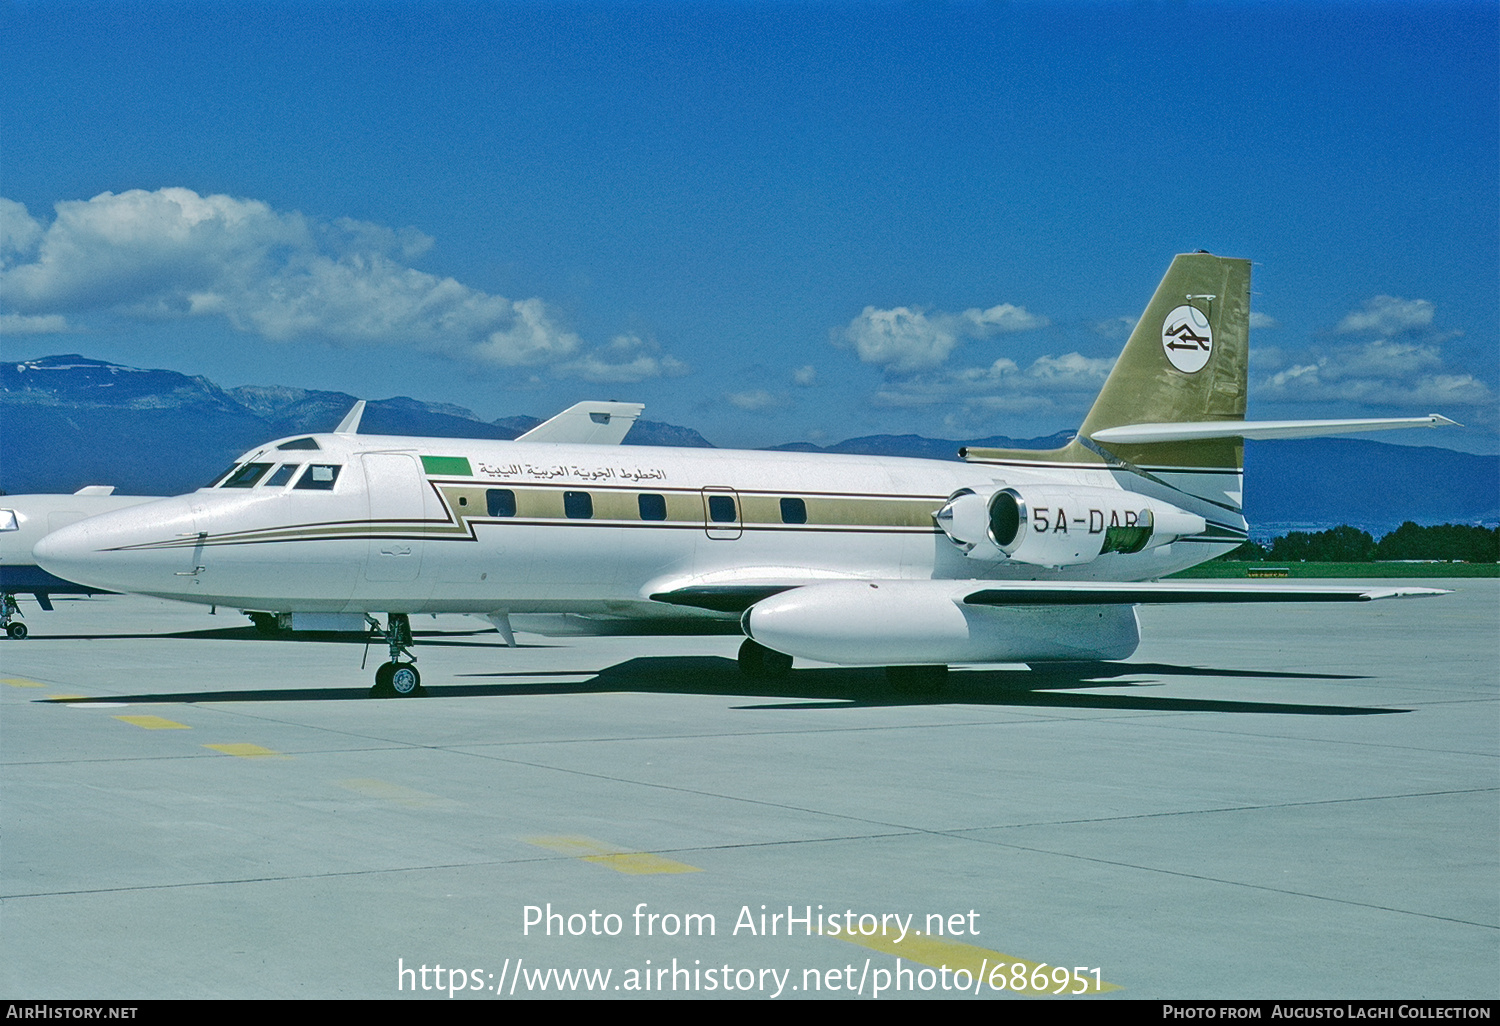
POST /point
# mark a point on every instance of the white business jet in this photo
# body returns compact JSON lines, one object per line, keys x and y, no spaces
{"x":1008,"y":556}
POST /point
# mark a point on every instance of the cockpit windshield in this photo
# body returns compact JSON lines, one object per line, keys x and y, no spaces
{"x":246,"y":475}
{"x":283,"y":475}
{"x":319,"y":477}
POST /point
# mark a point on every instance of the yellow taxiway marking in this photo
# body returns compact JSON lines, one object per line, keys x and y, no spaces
{"x":610,"y":856}
{"x":21,"y":682}
{"x":154,"y":723}
{"x":982,"y":964}
{"x":247,"y":751}
{"x":404,"y":796}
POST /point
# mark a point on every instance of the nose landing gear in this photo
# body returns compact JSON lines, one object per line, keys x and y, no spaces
{"x":396,"y":678}
{"x":14,"y":629}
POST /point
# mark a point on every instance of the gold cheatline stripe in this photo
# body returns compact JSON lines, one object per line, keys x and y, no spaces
{"x":587,"y":849}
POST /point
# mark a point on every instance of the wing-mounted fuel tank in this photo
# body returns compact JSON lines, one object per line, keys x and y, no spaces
{"x":1051,"y":525}
{"x":888,"y":623}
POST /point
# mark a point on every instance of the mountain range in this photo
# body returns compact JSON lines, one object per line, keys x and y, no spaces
{"x":67,"y":421}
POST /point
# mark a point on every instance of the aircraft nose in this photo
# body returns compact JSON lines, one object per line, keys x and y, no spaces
{"x":70,"y":552}
{"x":115,"y":551}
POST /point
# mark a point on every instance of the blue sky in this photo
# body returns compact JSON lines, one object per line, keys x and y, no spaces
{"x":771,"y":222}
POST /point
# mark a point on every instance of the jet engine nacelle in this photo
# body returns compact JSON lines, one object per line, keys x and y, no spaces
{"x":1060,"y":526}
{"x":897,"y":623}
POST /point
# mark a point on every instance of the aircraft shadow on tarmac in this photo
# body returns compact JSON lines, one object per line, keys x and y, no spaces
{"x":1058,"y":686}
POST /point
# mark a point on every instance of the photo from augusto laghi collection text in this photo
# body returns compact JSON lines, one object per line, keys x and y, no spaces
{"x":938,"y":952}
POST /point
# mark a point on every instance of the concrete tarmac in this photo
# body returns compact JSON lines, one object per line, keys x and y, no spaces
{"x":1265,"y":802}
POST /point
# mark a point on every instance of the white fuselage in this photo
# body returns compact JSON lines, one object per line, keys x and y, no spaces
{"x":416,"y":525}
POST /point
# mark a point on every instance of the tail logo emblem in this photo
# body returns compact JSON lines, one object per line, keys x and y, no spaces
{"x":1187,"y":339}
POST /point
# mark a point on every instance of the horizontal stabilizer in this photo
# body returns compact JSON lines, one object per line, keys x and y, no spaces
{"x":587,"y":423}
{"x":1143,"y":434}
{"x":1061,"y":593}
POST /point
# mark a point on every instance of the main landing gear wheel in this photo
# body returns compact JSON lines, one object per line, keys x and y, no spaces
{"x":397,"y":680}
{"x":917,"y":680}
{"x":760,"y":663}
{"x":16,"y":631}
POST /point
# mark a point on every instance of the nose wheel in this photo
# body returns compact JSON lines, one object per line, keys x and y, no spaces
{"x":14,"y":629}
{"x":397,"y":678}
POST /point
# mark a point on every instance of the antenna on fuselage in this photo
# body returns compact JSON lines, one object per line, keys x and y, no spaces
{"x":350,"y":424}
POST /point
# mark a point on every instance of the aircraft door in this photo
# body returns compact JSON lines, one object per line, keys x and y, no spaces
{"x":394,"y":490}
{"x":722,"y":516}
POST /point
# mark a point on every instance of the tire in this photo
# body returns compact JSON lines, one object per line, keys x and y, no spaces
{"x":917,"y":680}
{"x":17,"y":631}
{"x":761,"y":663}
{"x":405,"y":681}
{"x":382,"y":688}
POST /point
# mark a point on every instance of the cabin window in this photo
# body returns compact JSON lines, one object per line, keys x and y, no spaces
{"x":578,"y":505}
{"x":246,"y":476}
{"x":299,"y":443}
{"x":793,"y":511}
{"x":8,"y":520}
{"x":501,"y":502}
{"x":653,"y":507}
{"x":721,"y":509}
{"x":283,"y":475}
{"x":319,"y":477}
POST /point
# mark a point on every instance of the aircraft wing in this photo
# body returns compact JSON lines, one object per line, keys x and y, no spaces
{"x":587,"y":423}
{"x":1067,"y":593}
{"x":738,"y":596}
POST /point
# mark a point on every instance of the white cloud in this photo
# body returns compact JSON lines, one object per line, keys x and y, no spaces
{"x":1059,"y":381}
{"x":805,"y":377}
{"x":19,"y":231}
{"x":21,"y":324}
{"x":905,"y":340}
{"x":173,"y":254}
{"x":627,"y":359}
{"x":1388,"y":315}
{"x":1380,"y":373}
{"x":1115,"y":328}
{"x":1262,"y":322}
{"x":900,"y":339}
{"x":754,"y":399}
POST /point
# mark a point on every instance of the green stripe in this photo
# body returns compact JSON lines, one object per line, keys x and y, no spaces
{"x":447,"y":466}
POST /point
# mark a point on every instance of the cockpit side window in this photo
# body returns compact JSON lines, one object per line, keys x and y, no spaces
{"x":283,"y":475}
{"x":318,"y":477}
{"x":246,"y":475}
{"x":8,"y":520}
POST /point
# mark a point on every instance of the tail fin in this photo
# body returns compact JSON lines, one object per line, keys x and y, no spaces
{"x":1186,"y":361}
